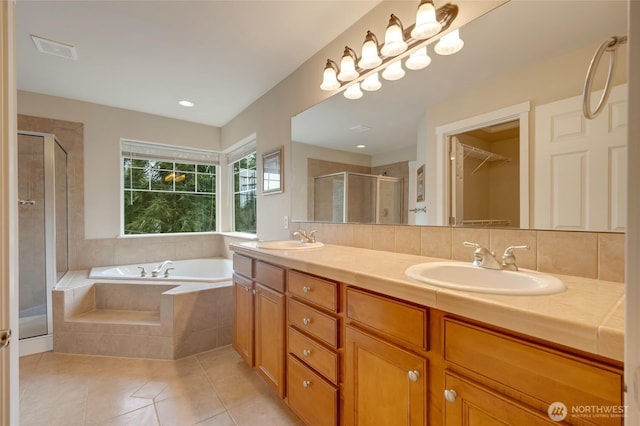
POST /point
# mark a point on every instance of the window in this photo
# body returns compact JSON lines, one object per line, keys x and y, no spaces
{"x":244,"y":194}
{"x":168,"y":189}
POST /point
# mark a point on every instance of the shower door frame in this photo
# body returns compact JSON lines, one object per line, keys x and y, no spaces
{"x":45,"y":342}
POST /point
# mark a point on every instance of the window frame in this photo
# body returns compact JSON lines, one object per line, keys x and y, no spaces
{"x":151,"y":151}
{"x":233,"y":191}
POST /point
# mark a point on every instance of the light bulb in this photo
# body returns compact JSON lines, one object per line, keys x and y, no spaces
{"x":348,"y":66}
{"x":371,"y":83}
{"x":449,"y":44}
{"x":394,"y":43}
{"x":418,"y":59}
{"x":353,"y":92}
{"x":370,"y":57}
{"x":426,"y":24}
{"x":393,"y":71}
{"x":329,"y":79}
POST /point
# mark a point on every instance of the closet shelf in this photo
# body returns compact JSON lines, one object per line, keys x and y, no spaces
{"x":481,"y":154}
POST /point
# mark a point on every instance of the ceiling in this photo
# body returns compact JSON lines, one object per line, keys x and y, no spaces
{"x":148,"y":55}
{"x":509,"y":39}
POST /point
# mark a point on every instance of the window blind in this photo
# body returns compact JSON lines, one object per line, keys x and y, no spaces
{"x":154,"y":151}
{"x":241,"y":152}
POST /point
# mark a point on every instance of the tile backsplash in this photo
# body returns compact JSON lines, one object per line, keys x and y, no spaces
{"x":583,"y":254}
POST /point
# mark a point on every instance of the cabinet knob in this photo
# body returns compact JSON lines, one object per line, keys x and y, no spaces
{"x":306,"y":352}
{"x":246,"y":288}
{"x":306,"y":321}
{"x":255,"y":291}
{"x":306,"y":289}
{"x":306,"y":384}
{"x":414,"y":375}
{"x":450,"y":395}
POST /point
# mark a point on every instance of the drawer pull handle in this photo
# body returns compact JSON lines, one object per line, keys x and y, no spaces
{"x":306,"y":352}
{"x":450,"y":395}
{"x":306,"y":384}
{"x":306,"y":289}
{"x":414,"y":375}
{"x":306,"y":321}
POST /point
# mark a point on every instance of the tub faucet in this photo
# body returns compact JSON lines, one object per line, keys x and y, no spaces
{"x":483,"y":257}
{"x":143,"y":273}
{"x":304,"y":238}
{"x":155,"y":272}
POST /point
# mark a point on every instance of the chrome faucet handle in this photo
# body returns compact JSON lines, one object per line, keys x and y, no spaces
{"x":509,"y":259}
{"x":483,"y":257}
{"x":312,"y":236}
{"x":143,"y":273}
{"x":166,"y":272}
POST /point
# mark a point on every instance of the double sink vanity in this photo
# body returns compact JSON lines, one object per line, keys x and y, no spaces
{"x":355,"y":336}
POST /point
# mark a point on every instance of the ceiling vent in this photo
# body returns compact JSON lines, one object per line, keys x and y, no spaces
{"x":359,"y":128}
{"x":55,"y":48}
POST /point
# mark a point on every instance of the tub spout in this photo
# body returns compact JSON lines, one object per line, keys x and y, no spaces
{"x":155,"y":272}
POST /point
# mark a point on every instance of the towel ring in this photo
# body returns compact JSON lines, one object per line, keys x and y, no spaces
{"x":610,"y":45}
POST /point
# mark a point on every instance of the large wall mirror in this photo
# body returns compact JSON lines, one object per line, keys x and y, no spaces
{"x":370,"y":160}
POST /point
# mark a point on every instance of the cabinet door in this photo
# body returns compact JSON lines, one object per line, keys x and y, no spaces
{"x":269,"y":336}
{"x":384,"y":384}
{"x":471,"y":404}
{"x":243,"y":318}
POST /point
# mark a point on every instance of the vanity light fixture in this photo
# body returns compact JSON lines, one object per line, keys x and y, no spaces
{"x":399,"y":43}
{"x":449,"y":44}
{"x":370,"y":56}
{"x":393,"y":71}
{"x":348,"y":65}
{"x":418,"y":59}
{"x":371,"y":83}
{"x":394,"y":43}
{"x":353,"y":92}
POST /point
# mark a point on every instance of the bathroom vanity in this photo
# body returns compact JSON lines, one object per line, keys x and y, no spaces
{"x":339,"y":330}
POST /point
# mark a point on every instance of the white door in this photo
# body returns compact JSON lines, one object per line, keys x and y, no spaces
{"x":8,"y":216}
{"x":580,"y":165}
{"x":456,"y":169}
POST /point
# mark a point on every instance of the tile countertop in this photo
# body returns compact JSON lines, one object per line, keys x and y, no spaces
{"x":588,"y":316}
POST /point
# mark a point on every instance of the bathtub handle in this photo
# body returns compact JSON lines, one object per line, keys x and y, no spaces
{"x":166,"y":272}
{"x":143,"y":273}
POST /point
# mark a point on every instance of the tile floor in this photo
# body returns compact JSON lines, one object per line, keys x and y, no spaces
{"x":215,"y":388}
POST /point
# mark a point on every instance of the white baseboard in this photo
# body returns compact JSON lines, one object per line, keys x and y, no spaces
{"x":34,"y":345}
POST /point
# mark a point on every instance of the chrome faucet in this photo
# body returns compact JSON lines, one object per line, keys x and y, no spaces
{"x":155,"y":272}
{"x":483,"y":257}
{"x":509,"y":259}
{"x":304,"y":238}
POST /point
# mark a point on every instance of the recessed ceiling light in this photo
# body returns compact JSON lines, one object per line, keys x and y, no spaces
{"x":186,"y":103}
{"x":359,"y":128}
{"x":361,"y":146}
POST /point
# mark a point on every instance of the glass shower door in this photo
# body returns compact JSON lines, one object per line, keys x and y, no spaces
{"x":31,"y":219}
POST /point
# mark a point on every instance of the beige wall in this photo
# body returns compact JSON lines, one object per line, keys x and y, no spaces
{"x":103,"y":128}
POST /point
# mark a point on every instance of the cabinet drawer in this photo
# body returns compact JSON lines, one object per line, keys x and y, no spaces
{"x":314,"y":322}
{"x":545,"y":374}
{"x":270,"y":275}
{"x":243,"y":265}
{"x":317,"y":291}
{"x":314,"y":354}
{"x":310,"y":396}
{"x":395,"y":319}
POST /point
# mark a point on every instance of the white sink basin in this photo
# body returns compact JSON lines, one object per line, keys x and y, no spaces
{"x":287,"y":245}
{"x":464,"y":276}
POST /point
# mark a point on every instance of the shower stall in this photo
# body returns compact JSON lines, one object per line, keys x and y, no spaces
{"x":43,"y":235}
{"x":346,"y":197}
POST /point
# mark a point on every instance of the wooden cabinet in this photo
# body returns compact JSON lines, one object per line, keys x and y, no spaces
{"x":385,"y":381}
{"x":384,"y":384}
{"x":313,"y":343}
{"x":471,"y":404}
{"x":533,"y":374}
{"x":269,"y":336}
{"x":243,"y":317}
{"x":259,"y":318}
